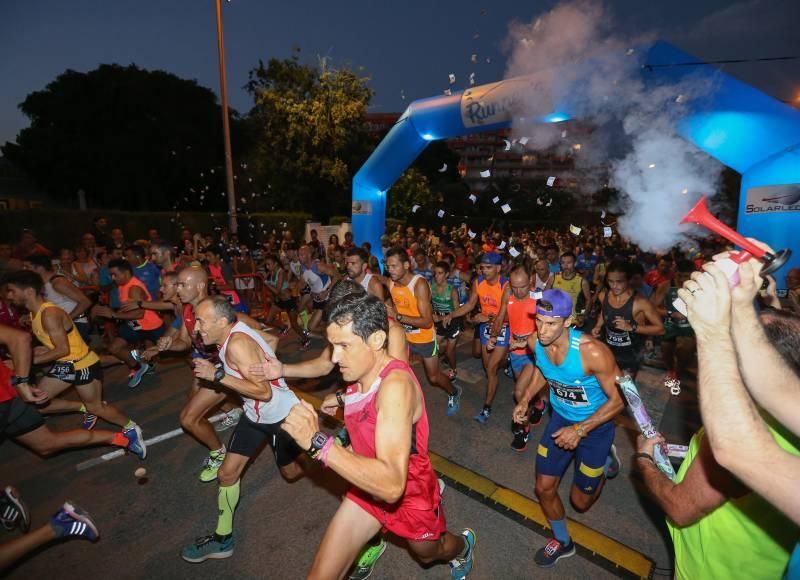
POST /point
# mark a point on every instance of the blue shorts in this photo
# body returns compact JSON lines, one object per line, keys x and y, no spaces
{"x":133,"y":336}
{"x":519,"y":361}
{"x":590,"y":455}
{"x":503,"y":339}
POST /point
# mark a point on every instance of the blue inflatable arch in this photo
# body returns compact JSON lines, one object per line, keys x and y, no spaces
{"x":745,"y":129}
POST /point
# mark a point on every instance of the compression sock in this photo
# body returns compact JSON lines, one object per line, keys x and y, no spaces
{"x":560,"y":531}
{"x":227,"y":499}
{"x":609,"y":461}
{"x":83,"y":408}
{"x":129,"y":425}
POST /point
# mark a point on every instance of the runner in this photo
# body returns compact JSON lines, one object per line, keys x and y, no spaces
{"x":626,"y":317}
{"x":266,"y":404}
{"x":519,"y":306}
{"x":357,"y":262}
{"x":135,"y":327}
{"x":487,"y":291}
{"x":676,"y":325}
{"x":143,"y":269}
{"x":412,"y":307}
{"x":544,"y":278}
{"x":276,"y":282}
{"x":163,"y":256}
{"x":318,"y":276}
{"x":575,"y":285}
{"x":444,"y":298}
{"x":581,"y":374}
{"x":221,"y":276}
{"x":72,"y":362}
{"x":394,"y":486}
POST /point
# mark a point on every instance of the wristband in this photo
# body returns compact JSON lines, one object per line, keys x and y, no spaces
{"x":579,"y":430}
{"x":339,"y":398}
{"x":219,"y":374}
{"x":322,"y":456}
{"x":646,"y":456}
{"x":15,"y":380}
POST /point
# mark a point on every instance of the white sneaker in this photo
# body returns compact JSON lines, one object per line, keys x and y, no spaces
{"x":231,"y":419}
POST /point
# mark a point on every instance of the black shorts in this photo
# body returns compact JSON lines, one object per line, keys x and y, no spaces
{"x":450,"y":332}
{"x":67,"y":373}
{"x":287,"y":305}
{"x":249,"y":437}
{"x":319,"y":305}
{"x":628,"y":358}
{"x":133,"y":336}
{"x":18,"y":418}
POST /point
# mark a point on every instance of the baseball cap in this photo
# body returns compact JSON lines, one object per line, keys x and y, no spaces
{"x":492,"y":258}
{"x":560,"y":304}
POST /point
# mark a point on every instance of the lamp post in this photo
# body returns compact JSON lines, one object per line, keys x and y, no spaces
{"x":226,"y":128}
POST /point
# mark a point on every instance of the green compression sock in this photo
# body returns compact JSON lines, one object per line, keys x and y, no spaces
{"x":227,"y":499}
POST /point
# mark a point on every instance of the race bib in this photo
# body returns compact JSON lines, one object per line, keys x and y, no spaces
{"x":487,"y":331}
{"x":572,"y":395}
{"x":411,"y":329}
{"x":618,"y":339}
{"x":134,"y":325}
{"x":63,"y":371}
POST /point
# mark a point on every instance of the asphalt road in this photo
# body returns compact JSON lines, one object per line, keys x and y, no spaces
{"x":278,"y":526}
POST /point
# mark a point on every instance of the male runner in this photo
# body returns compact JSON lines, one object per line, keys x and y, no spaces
{"x":444,"y":299}
{"x":412,"y":307}
{"x":276,"y":282}
{"x":573,"y":284}
{"x":581,"y":374}
{"x":394,"y":485}
{"x":357,"y":263}
{"x":625,"y":316}
{"x":72,"y":362}
{"x":143,"y":269}
{"x":266,"y":404}
{"x":163,"y":255}
{"x":61,"y":292}
{"x":676,"y":325}
{"x":519,"y":307}
{"x":487,"y":291}
{"x":19,"y":419}
{"x":136,"y":326}
{"x":318,"y":276}
{"x":544,"y":278}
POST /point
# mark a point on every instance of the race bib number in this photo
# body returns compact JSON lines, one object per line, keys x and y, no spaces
{"x":487,"y":331}
{"x":411,"y":329}
{"x":63,"y":371}
{"x":618,"y":339}
{"x":572,"y":395}
{"x":134,"y":325}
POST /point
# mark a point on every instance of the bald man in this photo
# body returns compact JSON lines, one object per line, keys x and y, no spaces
{"x":204,"y":395}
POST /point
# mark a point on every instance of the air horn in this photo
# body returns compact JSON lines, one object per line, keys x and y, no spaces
{"x":700,"y":215}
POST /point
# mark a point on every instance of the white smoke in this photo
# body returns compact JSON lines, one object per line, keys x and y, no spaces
{"x":575,"y":59}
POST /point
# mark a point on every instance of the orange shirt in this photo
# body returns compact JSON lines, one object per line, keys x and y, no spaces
{"x":490,"y":296}
{"x":521,"y":317}
{"x":406,"y":305}
{"x":150,"y":320}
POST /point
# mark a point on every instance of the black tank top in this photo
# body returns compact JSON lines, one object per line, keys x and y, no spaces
{"x":619,"y":338}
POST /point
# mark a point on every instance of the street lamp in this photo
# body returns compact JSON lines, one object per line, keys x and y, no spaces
{"x":226,"y":128}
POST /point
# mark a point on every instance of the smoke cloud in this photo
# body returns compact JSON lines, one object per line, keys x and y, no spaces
{"x":575,"y":59}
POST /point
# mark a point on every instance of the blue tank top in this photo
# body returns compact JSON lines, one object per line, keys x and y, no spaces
{"x":573,"y":394}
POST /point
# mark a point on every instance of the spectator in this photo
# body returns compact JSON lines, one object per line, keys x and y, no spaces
{"x":28,"y":246}
{"x":100,"y":234}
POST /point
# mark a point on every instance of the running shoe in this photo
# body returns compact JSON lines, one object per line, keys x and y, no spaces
{"x":537,"y":414}
{"x":137,"y":374}
{"x":553,"y":552}
{"x":461,"y":566}
{"x":454,"y":401}
{"x":483,"y":416}
{"x":365,"y":564}
{"x":136,"y":444}
{"x":284,"y":331}
{"x":520,"y":442}
{"x":442,"y":485}
{"x":231,"y":419}
{"x":89,"y":421}
{"x":211,"y":465}
{"x":452,"y":374}
{"x":152,"y":369}
{"x":13,"y":511}
{"x":305,"y":340}
{"x":208,"y":548}
{"x":615,"y":465}
{"x":71,"y":520}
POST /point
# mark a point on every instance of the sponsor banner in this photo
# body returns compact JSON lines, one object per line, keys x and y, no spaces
{"x":495,"y":102}
{"x":362,"y":207}
{"x":773,"y":199}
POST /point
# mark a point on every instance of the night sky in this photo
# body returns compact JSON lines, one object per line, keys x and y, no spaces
{"x":407,"y":47}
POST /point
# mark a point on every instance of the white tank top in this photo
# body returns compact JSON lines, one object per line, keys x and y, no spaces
{"x":365,"y":281}
{"x":283,"y":398}
{"x":63,"y":302}
{"x":539,"y":283}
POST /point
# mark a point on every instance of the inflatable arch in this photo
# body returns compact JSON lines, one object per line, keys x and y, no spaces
{"x":745,"y":129}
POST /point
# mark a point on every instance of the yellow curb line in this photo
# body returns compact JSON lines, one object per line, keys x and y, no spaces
{"x":597,"y":543}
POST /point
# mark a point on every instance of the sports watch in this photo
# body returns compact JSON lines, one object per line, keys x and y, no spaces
{"x":579,"y":430}
{"x":15,"y":380}
{"x":219,"y":374}
{"x":318,"y":441}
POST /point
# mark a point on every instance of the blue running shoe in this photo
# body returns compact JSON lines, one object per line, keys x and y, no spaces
{"x":461,"y":566}
{"x":89,"y":421}
{"x":136,"y":375}
{"x":208,"y":548}
{"x":454,"y":401}
{"x":13,"y":511}
{"x":548,"y":556}
{"x":136,"y":444}
{"x":483,"y":416}
{"x":71,"y":520}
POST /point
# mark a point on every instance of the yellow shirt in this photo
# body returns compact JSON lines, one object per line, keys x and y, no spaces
{"x":572,"y":287}
{"x":79,"y":353}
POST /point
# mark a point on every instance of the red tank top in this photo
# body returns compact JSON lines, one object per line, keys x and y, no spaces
{"x":521,"y":317}
{"x":360,"y":418}
{"x":7,"y":392}
{"x":188,"y":318}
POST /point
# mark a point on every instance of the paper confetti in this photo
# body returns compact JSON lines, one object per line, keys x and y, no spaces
{"x":574,"y":230}
{"x":505,"y":207}
{"x":486,"y":173}
{"x":443,"y":168}
{"x":606,"y":232}
{"x":652,"y":166}
{"x":452,"y":79}
{"x":502,"y":245}
{"x":415,"y":208}
{"x":524,"y":141}
{"x":474,"y":58}
{"x":440,"y":213}
{"x":539,"y":201}
{"x":488,"y":60}
{"x":495,"y":199}
{"x":473,"y":198}
{"x":471,"y":79}
{"x":603,"y":214}
{"x":549,"y":203}
{"x":471,"y":234}
{"x":513,"y":251}
{"x":550,"y":181}
{"x":508,"y":145}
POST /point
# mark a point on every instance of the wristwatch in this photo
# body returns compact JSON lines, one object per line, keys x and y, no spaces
{"x":339,"y":398}
{"x":15,"y":380}
{"x":646,"y":456}
{"x":399,"y":317}
{"x":634,"y":326}
{"x":317,"y":443}
{"x":219,"y":374}
{"x":579,"y":430}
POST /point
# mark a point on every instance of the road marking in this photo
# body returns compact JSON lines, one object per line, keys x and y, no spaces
{"x":152,"y":441}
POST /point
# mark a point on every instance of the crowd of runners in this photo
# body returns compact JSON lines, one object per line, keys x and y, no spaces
{"x":564,"y":315}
